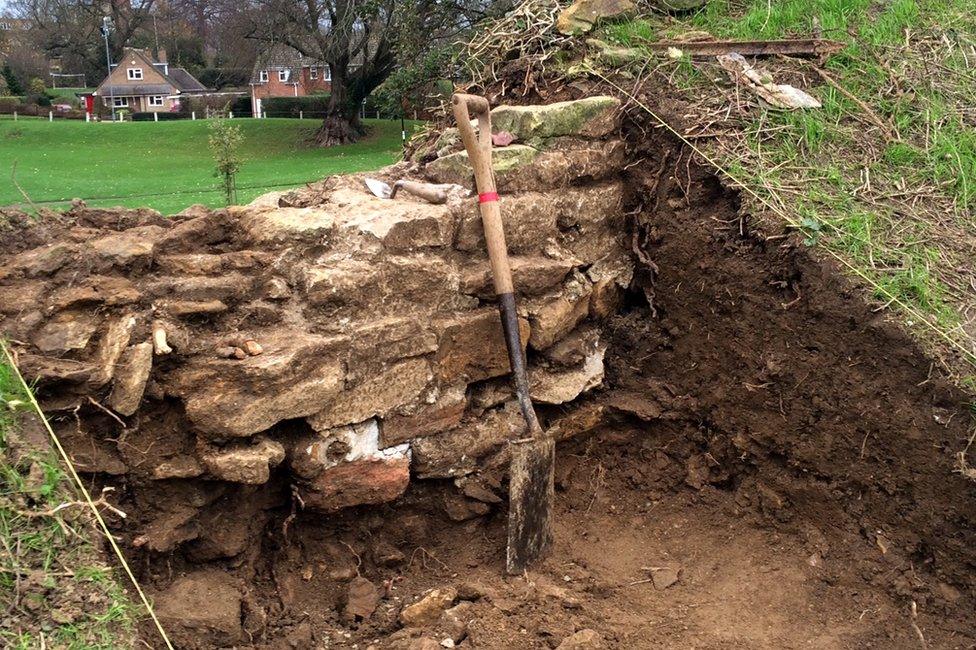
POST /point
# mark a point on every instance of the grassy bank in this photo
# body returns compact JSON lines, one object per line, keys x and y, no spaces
{"x":56,"y":590}
{"x":884,"y":174}
{"x":168,"y":165}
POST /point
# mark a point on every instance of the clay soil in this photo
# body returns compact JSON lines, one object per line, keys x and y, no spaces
{"x":774,"y":468}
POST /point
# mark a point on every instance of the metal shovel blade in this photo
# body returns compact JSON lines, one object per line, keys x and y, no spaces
{"x":531,"y":494}
{"x":378,"y":188}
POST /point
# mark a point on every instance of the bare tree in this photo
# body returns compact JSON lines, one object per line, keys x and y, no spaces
{"x":361,"y":41}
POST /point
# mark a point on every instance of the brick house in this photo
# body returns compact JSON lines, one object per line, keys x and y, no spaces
{"x":282,"y":71}
{"x":142,"y":84}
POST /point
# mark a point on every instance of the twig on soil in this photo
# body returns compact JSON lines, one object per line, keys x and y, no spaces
{"x":426,"y":554}
{"x":101,"y":501}
{"x":359,"y":560}
{"x":107,"y":412}
{"x":891,"y":133}
{"x":918,"y":630}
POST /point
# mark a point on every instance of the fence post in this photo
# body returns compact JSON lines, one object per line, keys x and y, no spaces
{"x":50,"y":116}
{"x":193,"y":116}
{"x":301,"y":115}
{"x":155,"y":116}
{"x":87,"y":117}
{"x":230,"y":115}
{"x":15,"y":116}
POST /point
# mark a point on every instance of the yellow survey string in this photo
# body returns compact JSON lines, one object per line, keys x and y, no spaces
{"x":969,"y":356}
{"x":84,"y":491}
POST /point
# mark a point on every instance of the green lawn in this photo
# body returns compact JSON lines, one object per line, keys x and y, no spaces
{"x":167,"y":165}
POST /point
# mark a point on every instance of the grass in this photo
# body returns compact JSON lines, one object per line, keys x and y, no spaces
{"x":167,"y":165}
{"x":897,"y":206}
{"x":55,"y":590}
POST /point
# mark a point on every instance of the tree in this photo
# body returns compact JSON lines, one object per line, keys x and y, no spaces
{"x":225,"y":139}
{"x":13,"y":85}
{"x":362,"y":41}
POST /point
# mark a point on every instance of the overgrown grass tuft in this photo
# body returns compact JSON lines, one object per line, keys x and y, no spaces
{"x":898,"y":202}
{"x":55,"y":587}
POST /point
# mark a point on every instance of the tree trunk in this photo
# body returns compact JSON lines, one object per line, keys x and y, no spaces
{"x":341,"y":124}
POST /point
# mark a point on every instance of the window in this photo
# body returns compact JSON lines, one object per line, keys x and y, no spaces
{"x":120,"y":102}
{"x":135,"y":74}
{"x":263,"y":76}
{"x":283,"y":75}
{"x":155,"y":100}
{"x":313,"y":73}
{"x":327,"y":73}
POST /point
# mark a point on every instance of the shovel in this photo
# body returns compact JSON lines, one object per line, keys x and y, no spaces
{"x":533,"y":457}
{"x":436,"y":194}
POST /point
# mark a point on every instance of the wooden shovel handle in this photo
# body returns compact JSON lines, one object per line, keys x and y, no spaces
{"x":478,"y":147}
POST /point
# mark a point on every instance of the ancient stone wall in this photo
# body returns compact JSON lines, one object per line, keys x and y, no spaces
{"x":326,"y":341}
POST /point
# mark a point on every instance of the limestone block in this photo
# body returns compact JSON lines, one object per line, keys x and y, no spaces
{"x":361,"y":482}
{"x":472,"y":346}
{"x":97,"y":289}
{"x":583,"y":15}
{"x":380,"y":340}
{"x":131,"y":375}
{"x":591,"y":117}
{"x":130,"y":248}
{"x":289,"y":225}
{"x":385,"y":285}
{"x":558,"y":386}
{"x":456,"y":452}
{"x":224,"y":287}
{"x":189,"y":264}
{"x":406,"y":223}
{"x":456,"y":168}
{"x":532,"y":219}
{"x":21,"y":297}
{"x":571,"y":351}
{"x":249,"y":463}
{"x":531,"y":275}
{"x":444,"y":413}
{"x":295,"y":376}
{"x":69,"y":330}
{"x":44,"y":260}
{"x":611,"y":276}
{"x":429,"y":608}
{"x":556,"y":315}
{"x":375,"y":394}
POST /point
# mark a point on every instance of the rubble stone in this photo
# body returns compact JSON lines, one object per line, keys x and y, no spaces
{"x":456,"y":452}
{"x":531,"y":275}
{"x":250,"y":463}
{"x":375,"y":395}
{"x":289,"y":225}
{"x":202,"y":605}
{"x":583,"y":640}
{"x":131,"y":375}
{"x":456,"y":168}
{"x":472,"y":346}
{"x":361,"y":482}
{"x":554,"y":317}
{"x":293,"y":378}
{"x":444,"y":413}
{"x":429,"y":608}
{"x":561,"y":386}
{"x":583,"y":15}
{"x":110,"y":348}
{"x":69,"y":330}
{"x":129,"y":248}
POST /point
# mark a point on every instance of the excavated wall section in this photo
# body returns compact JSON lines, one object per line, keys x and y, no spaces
{"x":322,"y":343}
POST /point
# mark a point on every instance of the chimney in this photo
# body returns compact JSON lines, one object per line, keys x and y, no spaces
{"x":161,"y":56}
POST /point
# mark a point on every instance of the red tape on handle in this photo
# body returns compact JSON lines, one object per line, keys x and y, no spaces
{"x":487,"y":197}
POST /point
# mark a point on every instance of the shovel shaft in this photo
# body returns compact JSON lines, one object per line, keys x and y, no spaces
{"x":478,"y":147}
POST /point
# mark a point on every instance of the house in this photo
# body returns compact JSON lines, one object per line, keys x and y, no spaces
{"x":282,"y":71}
{"x":142,"y":83}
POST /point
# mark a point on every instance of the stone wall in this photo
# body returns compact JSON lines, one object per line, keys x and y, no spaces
{"x":321,"y":339}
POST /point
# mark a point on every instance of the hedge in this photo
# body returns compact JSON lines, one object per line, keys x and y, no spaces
{"x":148,"y":116}
{"x":312,"y":105}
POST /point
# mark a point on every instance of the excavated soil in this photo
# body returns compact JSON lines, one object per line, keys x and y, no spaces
{"x":772,"y":468}
{"x":769,"y":464}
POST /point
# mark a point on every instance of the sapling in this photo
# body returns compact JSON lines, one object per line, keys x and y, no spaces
{"x":225,"y":139}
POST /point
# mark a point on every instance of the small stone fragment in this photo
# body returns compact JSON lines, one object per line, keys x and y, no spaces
{"x":250,"y":464}
{"x":202,"y":606}
{"x":583,"y":640}
{"x":362,"y":598}
{"x":66,"y":331}
{"x":429,"y":608}
{"x":664,"y":577}
{"x":253,"y":348}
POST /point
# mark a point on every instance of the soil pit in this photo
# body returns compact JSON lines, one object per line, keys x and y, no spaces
{"x":769,"y":462}
{"x":772,"y":468}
